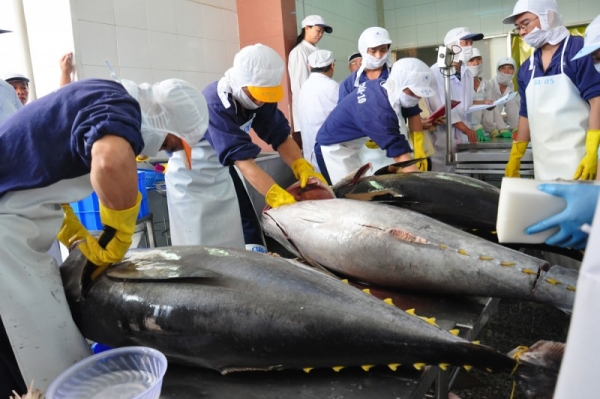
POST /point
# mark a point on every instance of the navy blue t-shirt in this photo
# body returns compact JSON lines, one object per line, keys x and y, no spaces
{"x":51,"y":139}
{"x":347,"y":85}
{"x":229,"y":128}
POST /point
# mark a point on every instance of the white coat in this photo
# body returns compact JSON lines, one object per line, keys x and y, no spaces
{"x":9,"y":102}
{"x":299,"y":72}
{"x":461,"y":90}
{"x":493,"y":119}
{"x":318,"y":97}
{"x":482,"y":93}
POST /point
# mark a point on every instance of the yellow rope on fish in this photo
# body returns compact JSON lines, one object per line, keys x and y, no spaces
{"x":518,"y":353}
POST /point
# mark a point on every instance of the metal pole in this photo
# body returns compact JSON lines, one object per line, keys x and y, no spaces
{"x":449,"y":136}
{"x":21,"y":31}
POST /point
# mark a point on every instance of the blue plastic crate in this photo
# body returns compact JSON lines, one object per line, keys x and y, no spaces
{"x":153,"y":178}
{"x":88,"y":209}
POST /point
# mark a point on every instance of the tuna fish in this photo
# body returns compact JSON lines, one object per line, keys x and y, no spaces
{"x":395,"y":247}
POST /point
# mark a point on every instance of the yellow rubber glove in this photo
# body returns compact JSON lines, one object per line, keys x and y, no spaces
{"x":123,"y":222}
{"x":370,"y":144}
{"x":514,"y":160}
{"x":303,"y":170}
{"x":277,"y":196}
{"x":494,"y":133}
{"x":588,"y":166}
{"x":418,"y":150}
{"x":72,"y":230}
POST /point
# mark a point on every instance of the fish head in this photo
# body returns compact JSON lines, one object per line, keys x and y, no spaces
{"x":315,"y":190}
{"x":76,"y":272}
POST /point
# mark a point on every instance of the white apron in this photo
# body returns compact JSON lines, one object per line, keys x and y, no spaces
{"x":203,"y":205}
{"x":344,"y":158}
{"x":479,"y":95}
{"x":33,"y":306}
{"x":578,"y":377}
{"x":558,"y":122}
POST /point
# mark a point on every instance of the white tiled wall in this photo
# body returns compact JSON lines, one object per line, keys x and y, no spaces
{"x":151,"y":40}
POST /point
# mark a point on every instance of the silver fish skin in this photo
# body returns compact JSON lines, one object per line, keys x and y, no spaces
{"x":233,"y":310}
{"x":395,"y":247}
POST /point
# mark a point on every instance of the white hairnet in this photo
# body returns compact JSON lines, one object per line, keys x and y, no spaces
{"x":545,"y":10}
{"x":171,"y":106}
{"x":592,"y":39}
{"x":506,"y":61}
{"x":373,"y":37}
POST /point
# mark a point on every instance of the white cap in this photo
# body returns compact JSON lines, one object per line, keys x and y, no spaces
{"x":13,"y":76}
{"x":506,"y":61}
{"x":259,"y":68}
{"x":320,"y":58}
{"x":546,"y":11}
{"x":317,"y":20}
{"x":373,"y":37}
{"x":414,"y":74}
{"x":454,"y":36}
{"x":475,"y":53}
{"x":171,"y":106}
{"x":592,"y":39}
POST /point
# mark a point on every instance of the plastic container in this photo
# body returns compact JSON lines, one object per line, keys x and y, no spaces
{"x":133,"y":372}
{"x":88,"y":209}
{"x":153,"y":178}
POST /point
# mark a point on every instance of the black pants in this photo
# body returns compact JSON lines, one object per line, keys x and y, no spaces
{"x":250,"y":224}
{"x":10,"y":376}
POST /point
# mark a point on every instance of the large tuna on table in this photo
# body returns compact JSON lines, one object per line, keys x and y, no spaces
{"x":396,"y":247}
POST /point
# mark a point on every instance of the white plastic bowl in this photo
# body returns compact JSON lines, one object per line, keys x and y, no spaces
{"x":133,"y":372}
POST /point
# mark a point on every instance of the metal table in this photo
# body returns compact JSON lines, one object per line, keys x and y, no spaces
{"x":489,"y":158}
{"x":469,"y":315}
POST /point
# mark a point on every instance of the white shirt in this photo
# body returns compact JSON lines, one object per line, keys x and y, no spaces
{"x":9,"y":101}
{"x":318,"y":97}
{"x":482,"y":93}
{"x":299,"y":71}
{"x":493,"y":119}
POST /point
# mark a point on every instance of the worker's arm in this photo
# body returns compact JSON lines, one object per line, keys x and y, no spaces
{"x":415,"y":123}
{"x":66,"y":68}
{"x":258,"y":178}
{"x":472,"y":136}
{"x":594,"y":119}
{"x":289,"y":151}
{"x":523,"y":133}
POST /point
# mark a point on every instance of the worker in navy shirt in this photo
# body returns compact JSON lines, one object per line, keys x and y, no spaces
{"x":82,"y":137}
{"x":368,"y":125}
{"x":203,"y":205}
{"x":374,"y":46}
{"x":560,"y":97}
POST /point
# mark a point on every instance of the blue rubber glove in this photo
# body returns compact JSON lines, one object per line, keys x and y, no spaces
{"x":581,"y":205}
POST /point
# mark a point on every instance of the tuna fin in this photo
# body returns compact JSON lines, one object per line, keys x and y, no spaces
{"x":394,"y":366}
{"x":367,"y":291}
{"x":410,"y":311}
{"x":337,"y":368}
{"x":468,"y":367}
{"x":157,"y":271}
{"x":430,"y":320}
{"x":396,"y":167}
{"x":476,"y":342}
{"x":388,"y":301}
{"x":444,"y":366}
{"x":419,"y":366}
{"x":345,"y":281}
{"x":367,"y":367}
{"x":307,"y":369}
{"x":454,"y":331}
{"x":538,"y":366}
{"x":353,"y":177}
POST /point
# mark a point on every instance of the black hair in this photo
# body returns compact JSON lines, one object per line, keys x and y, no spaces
{"x":321,"y":69}
{"x":300,"y":38}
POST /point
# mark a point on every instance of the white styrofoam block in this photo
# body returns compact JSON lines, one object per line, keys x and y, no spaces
{"x":521,"y":205}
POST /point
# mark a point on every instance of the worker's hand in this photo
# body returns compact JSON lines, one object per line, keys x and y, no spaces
{"x":481,"y":136}
{"x":494,"y":133}
{"x":72,"y":230}
{"x":514,"y":160}
{"x":303,"y":170}
{"x":472,"y":136}
{"x":66,"y":63}
{"x":277,"y":196}
{"x":589,"y":164}
{"x":581,"y":205}
{"x":121,"y":226}
{"x":507,"y":134}
{"x":418,"y":150}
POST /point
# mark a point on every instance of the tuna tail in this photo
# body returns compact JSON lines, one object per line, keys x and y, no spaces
{"x":353,"y":177}
{"x":538,"y":367}
{"x":397,"y":167}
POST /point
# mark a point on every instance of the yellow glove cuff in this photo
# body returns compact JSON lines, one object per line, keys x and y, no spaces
{"x":123,"y":221}
{"x":592,"y":140}
{"x":518,"y":149}
{"x":371,"y":144}
{"x":277,"y":196}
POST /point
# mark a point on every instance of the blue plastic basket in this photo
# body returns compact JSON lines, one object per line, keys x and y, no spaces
{"x":153,"y":178}
{"x":88,"y":209}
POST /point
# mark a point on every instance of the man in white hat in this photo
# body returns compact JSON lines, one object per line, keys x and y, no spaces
{"x":354,"y":61}
{"x":560,"y":98}
{"x":368,"y":124}
{"x":374,"y":47}
{"x":318,"y":97}
{"x":460,"y":41}
{"x":313,"y":27}
{"x":9,"y":102}
{"x":21,"y":85}
{"x":500,"y":85}
{"x":82,"y":137}
{"x":203,"y":204}
{"x":481,"y":93}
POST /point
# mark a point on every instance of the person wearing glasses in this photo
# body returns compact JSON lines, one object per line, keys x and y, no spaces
{"x":560,"y":97}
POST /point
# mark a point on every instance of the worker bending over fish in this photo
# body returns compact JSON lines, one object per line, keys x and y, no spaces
{"x":55,"y":151}
{"x":368,"y":124}
{"x":203,"y":205}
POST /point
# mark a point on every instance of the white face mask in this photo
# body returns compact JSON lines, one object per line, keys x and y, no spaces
{"x":466,"y":53}
{"x":241,"y":96}
{"x":370,"y":62}
{"x":408,"y":101}
{"x":537,"y":37}
{"x":504,"y":78}
{"x":475,"y":69}
{"x":597,"y":66}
